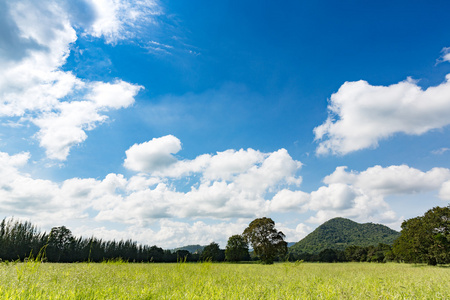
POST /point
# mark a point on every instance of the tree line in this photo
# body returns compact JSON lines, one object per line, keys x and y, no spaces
{"x":424,"y":239}
{"x":380,"y":253}
{"x":20,"y":240}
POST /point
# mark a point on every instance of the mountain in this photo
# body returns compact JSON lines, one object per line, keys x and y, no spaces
{"x":190,"y":248}
{"x":339,"y":233}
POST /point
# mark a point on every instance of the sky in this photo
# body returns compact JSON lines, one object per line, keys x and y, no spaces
{"x":179,"y":122}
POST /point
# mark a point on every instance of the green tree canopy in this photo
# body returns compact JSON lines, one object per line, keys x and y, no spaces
{"x":212,"y":252}
{"x":60,"y":243}
{"x":267,"y":242}
{"x":236,"y":249}
{"x":425,"y":238}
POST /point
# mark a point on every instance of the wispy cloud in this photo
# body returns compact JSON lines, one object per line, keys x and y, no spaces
{"x":440,"y":151}
{"x":445,"y":55}
{"x":117,"y":20}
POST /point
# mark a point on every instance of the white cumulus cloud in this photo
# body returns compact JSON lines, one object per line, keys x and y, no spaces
{"x":293,"y":234}
{"x":444,"y":192}
{"x":391,"y":180}
{"x":153,"y":155}
{"x":360,"y":114}
{"x":362,"y":195}
{"x":216,"y":191}
{"x":62,"y":129}
{"x":218,"y":203}
{"x":287,"y":200}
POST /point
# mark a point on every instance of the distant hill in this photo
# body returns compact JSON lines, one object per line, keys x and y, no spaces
{"x":190,"y":248}
{"x":339,"y":233}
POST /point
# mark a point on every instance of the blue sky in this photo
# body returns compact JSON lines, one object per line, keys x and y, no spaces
{"x":179,"y":122}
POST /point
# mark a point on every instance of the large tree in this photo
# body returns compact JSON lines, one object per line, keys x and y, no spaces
{"x":60,"y":244}
{"x":236,"y":249}
{"x":212,"y":252}
{"x":267,"y":242}
{"x":425,"y":238}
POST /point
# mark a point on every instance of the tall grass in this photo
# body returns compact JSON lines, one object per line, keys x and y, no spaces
{"x":121,"y":280}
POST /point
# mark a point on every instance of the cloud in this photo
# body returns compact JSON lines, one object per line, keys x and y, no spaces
{"x":228,"y":184}
{"x":338,"y":200}
{"x":360,"y":114}
{"x":33,"y":82}
{"x":444,"y":192}
{"x":120,"y":19}
{"x":335,"y":197}
{"x":362,"y":195}
{"x":181,"y":233}
{"x":153,"y":155}
{"x":294,"y":234}
{"x":445,"y":55}
{"x":173,"y":234}
{"x":391,"y":180}
{"x":219,"y":201}
{"x":13,"y":161}
{"x":13,"y":46}
{"x":218,"y":191}
{"x":61,"y":130}
{"x":440,"y":151}
{"x":24,"y":196}
{"x":287,"y":200}
{"x":34,"y":48}
{"x":47,"y":203}
{"x":224,"y":165}
{"x":245,"y":167}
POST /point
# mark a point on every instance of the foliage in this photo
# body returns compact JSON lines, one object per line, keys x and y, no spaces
{"x":267,"y":242}
{"x":380,"y":253}
{"x":328,"y":255}
{"x":61,"y":244}
{"x":212,"y":252}
{"x":236,"y":249}
{"x":340,"y":233}
{"x":20,"y":239}
{"x":426,"y":238}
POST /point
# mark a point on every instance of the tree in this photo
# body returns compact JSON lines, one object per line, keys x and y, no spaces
{"x":19,"y":239}
{"x":328,"y":255}
{"x":155,"y":254}
{"x":267,"y":242}
{"x":60,"y":244}
{"x":236,"y":249}
{"x":182,"y":255}
{"x":425,"y":238}
{"x":212,"y":252}
{"x":355,"y":253}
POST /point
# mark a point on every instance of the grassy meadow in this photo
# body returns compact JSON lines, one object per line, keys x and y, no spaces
{"x":118,"y":280}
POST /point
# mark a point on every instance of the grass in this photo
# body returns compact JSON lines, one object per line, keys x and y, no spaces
{"x":119,"y":280}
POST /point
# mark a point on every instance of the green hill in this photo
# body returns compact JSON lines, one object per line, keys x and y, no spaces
{"x":339,"y":233}
{"x":190,"y":248}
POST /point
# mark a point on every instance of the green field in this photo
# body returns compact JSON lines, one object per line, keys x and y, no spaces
{"x":223,"y":281}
